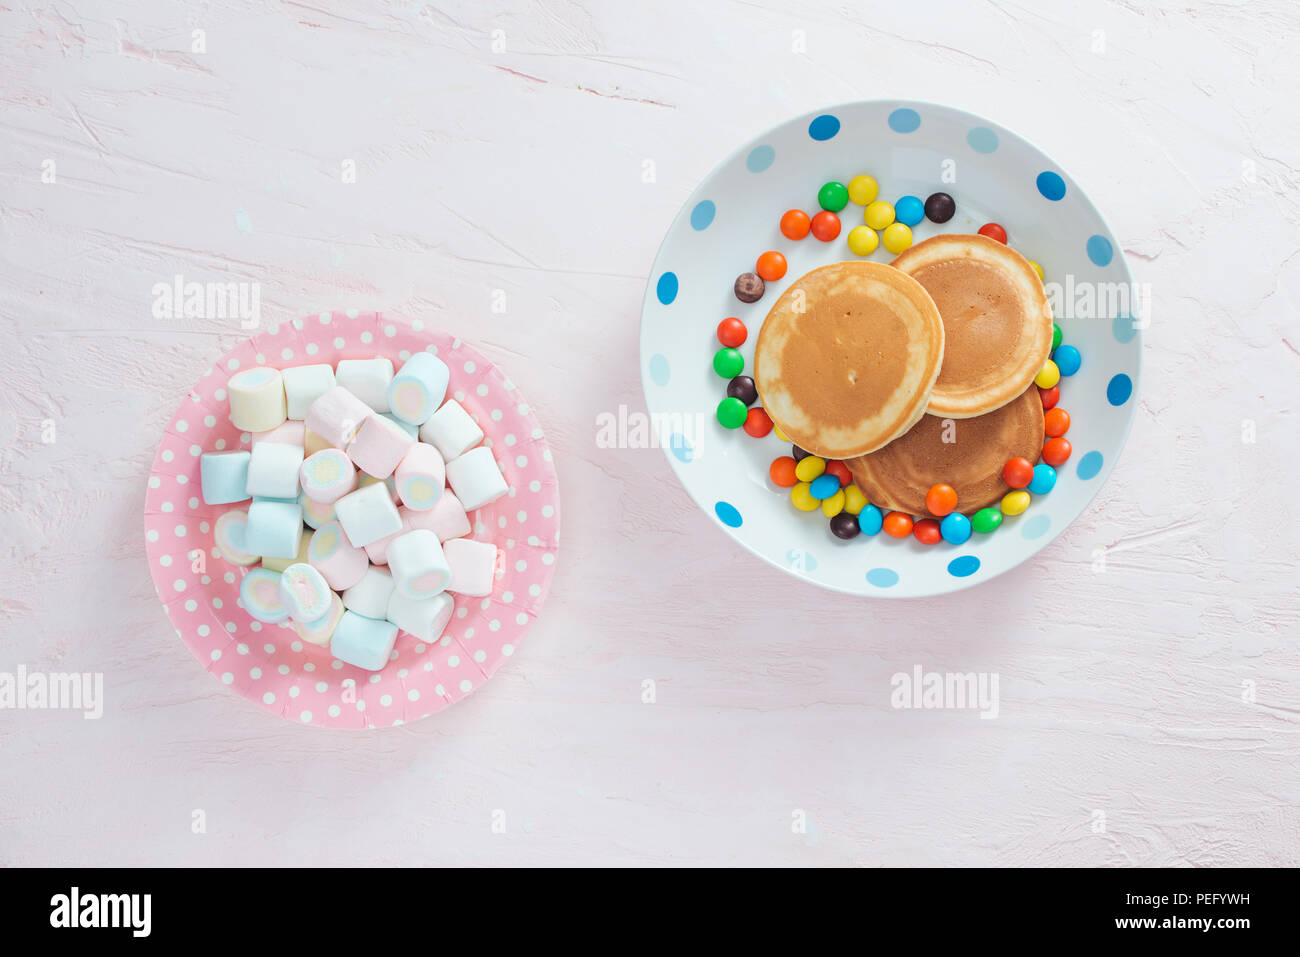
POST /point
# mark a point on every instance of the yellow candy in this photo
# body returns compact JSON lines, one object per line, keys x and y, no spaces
{"x":802,"y":498}
{"x":1038,"y":269}
{"x":863,"y":189}
{"x":834,"y":505}
{"x":879,"y":214}
{"x":1013,"y":503}
{"x":779,"y":434}
{"x":863,"y":240}
{"x":809,"y":468}
{"x":897,"y":237}
{"x":1048,"y":375}
{"x":854,"y":500}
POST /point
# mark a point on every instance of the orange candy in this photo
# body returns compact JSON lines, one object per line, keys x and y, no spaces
{"x":898,"y":524}
{"x":782,"y":472}
{"x":927,"y":531}
{"x":1018,"y":473}
{"x":1056,"y":422}
{"x":771,"y":266}
{"x":825,"y":226}
{"x":840,"y":471}
{"x":795,"y":224}
{"x":1050,"y":397}
{"x":940,"y":500}
{"x":757,"y":423}
{"x":1056,"y":451}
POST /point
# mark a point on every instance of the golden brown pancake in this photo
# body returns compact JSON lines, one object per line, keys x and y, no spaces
{"x":898,"y":476}
{"x":997,"y":323}
{"x":846,"y":358}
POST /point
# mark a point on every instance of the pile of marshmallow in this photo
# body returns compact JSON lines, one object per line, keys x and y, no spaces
{"x":361,"y":455}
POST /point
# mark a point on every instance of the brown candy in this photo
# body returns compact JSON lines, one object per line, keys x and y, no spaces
{"x":749,"y":287}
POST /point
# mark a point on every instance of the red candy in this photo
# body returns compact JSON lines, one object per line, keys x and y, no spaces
{"x":840,"y":471}
{"x":732,"y":332}
{"x":898,"y":524}
{"x":795,"y":224}
{"x":1050,"y":397}
{"x":994,"y":231}
{"x":1018,"y":473}
{"x":940,"y":500}
{"x":771,"y":266}
{"x":1056,"y":451}
{"x":782,"y":472}
{"x":926,"y":531}
{"x":825,"y":226}
{"x":1056,"y":422}
{"x":757,"y":423}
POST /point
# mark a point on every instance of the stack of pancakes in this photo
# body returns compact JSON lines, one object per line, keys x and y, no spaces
{"x":916,"y":373}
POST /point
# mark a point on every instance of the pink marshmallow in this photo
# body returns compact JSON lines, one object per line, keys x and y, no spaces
{"x":447,"y":518}
{"x":339,"y":562}
{"x":336,"y":416}
{"x":473,"y":566}
{"x":379,"y":446}
{"x":421,"y":477}
{"x":291,"y":433}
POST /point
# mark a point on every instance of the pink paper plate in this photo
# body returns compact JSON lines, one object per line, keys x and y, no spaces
{"x":268,"y":663}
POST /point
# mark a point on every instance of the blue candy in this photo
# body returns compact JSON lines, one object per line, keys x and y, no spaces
{"x":823,"y":487}
{"x":909,"y":210}
{"x":364,"y":642}
{"x":223,"y":477}
{"x":1044,"y":479}
{"x":955,"y":528}
{"x":870,"y":520}
{"x":1067,"y":359}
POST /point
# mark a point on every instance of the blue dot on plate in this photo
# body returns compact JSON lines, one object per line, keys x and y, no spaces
{"x":1124,"y":328}
{"x":1119,"y":389}
{"x":1051,"y":185}
{"x":681,"y":448}
{"x":963,"y":566}
{"x":982,"y":140}
{"x":824,"y":127}
{"x":1100,"y":251}
{"x":659,"y":369}
{"x":666,"y":289}
{"x":904,"y":120}
{"x":1036,"y":527}
{"x":1089,"y":465}
{"x":760,"y":158}
{"x":728,"y":515}
{"x":883,"y":577}
{"x":800,"y":560}
{"x":703,"y":213}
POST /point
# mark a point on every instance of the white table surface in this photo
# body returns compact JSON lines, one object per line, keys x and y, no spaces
{"x":521,"y":169}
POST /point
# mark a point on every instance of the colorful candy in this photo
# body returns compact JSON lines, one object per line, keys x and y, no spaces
{"x":863,"y":240}
{"x":1018,"y":472}
{"x":994,"y":231}
{"x":728,"y":363}
{"x":863,"y":190}
{"x":854,"y":499}
{"x":955,"y":528}
{"x":840,"y":471}
{"x":986,"y":520}
{"x":926,"y":531}
{"x":1056,"y":337}
{"x":795,"y":224}
{"x":825,"y":226}
{"x":1050,"y":397}
{"x":1067,"y":359}
{"x":810,"y":468}
{"x":823,"y":486}
{"x":846,"y":525}
{"x":757,"y":423}
{"x":418,"y":388}
{"x":878,"y":215}
{"x":870,"y":520}
{"x":909,"y":210}
{"x":732,"y":413}
{"x":834,"y":505}
{"x":771,"y":266}
{"x":898,"y":524}
{"x":940,"y":207}
{"x":420,"y":477}
{"x":749,"y":287}
{"x":1013,"y":503}
{"x":798,"y":453}
{"x":259,"y":593}
{"x":1056,"y":422}
{"x":328,"y":475}
{"x":305,"y":593}
{"x":940,"y":500}
{"x":1056,"y":451}
{"x":228,"y":536}
{"x":802,"y":498}
{"x":782,"y":472}
{"x":1044,"y":479}
{"x":732,"y":332}
{"x":1037,"y":268}
{"x":1048,"y":375}
{"x":896,"y":237}
{"x":742,"y":387}
{"x":833,"y":196}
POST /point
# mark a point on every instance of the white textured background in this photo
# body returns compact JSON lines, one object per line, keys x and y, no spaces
{"x":521,"y":170}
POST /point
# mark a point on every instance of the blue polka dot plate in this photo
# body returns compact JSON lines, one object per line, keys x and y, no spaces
{"x":911,"y":149}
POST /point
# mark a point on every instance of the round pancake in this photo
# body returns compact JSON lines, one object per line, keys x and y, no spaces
{"x":996,"y":320}
{"x":898,"y":476}
{"x":846,"y":358}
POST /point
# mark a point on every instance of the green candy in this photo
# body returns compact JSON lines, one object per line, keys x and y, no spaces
{"x":833,"y":196}
{"x":1056,"y":336}
{"x":732,"y":412}
{"x":728,"y":363}
{"x":986,"y":520}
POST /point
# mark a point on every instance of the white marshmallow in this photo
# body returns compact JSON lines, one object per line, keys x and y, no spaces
{"x":336,"y":416}
{"x":424,"y":618}
{"x":451,"y":430}
{"x":419,"y":568}
{"x":290,"y":433}
{"x":305,"y":593}
{"x":367,"y":379}
{"x":257,"y":401}
{"x":476,"y":479}
{"x":367,"y":515}
{"x":273,"y":470}
{"x":370,"y":596}
{"x":303,"y":385}
{"x":473,"y":566}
